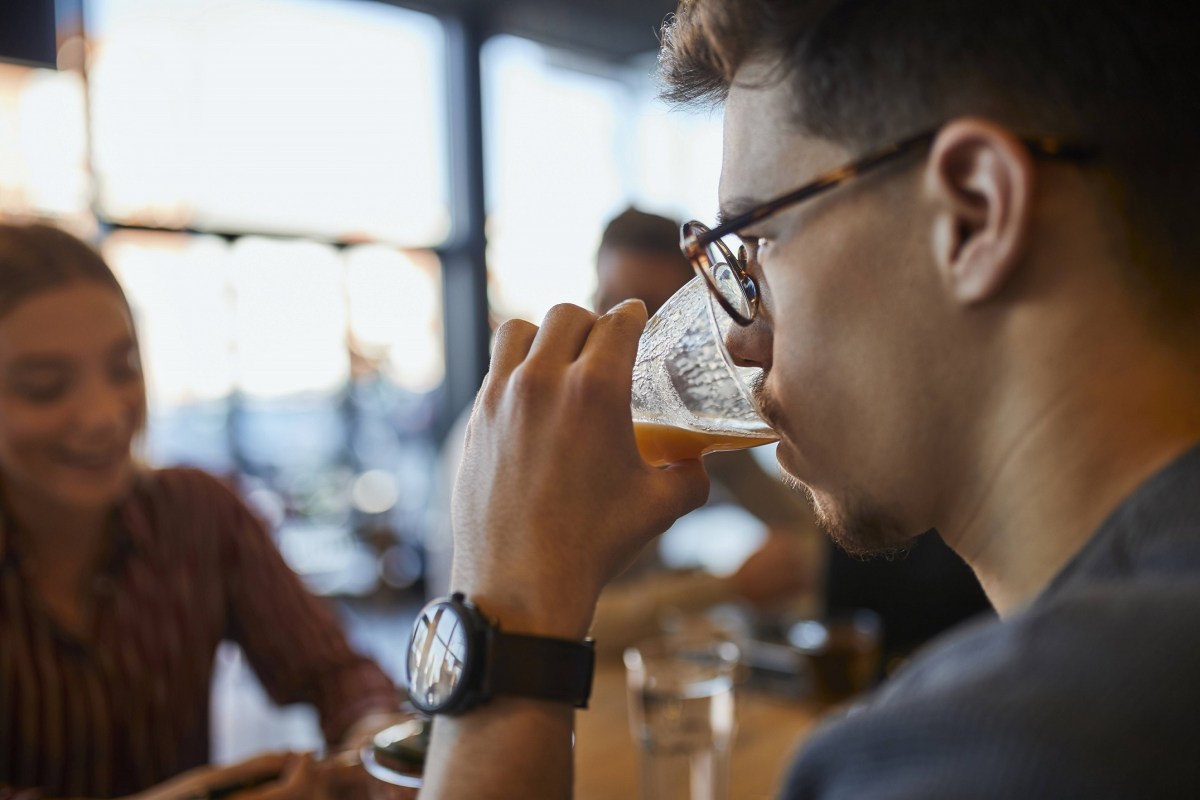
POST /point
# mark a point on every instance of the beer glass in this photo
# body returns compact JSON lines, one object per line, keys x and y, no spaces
{"x":689,"y":398}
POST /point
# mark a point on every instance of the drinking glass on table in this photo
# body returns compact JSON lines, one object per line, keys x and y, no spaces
{"x":395,"y":758}
{"x":689,"y":398}
{"x":681,"y":715}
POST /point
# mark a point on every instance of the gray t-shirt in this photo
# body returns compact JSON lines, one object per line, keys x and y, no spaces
{"x":1092,"y":691}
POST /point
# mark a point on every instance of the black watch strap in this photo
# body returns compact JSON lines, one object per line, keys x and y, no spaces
{"x":543,"y":668}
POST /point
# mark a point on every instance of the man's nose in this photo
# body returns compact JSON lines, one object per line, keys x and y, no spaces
{"x":750,"y":345}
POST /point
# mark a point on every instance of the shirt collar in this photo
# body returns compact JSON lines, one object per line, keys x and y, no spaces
{"x":1155,"y":525}
{"x":133,"y":529}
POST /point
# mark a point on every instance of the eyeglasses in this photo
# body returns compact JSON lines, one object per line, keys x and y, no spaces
{"x":711,"y":251}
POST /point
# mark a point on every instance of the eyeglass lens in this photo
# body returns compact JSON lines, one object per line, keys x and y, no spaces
{"x":727,"y":276}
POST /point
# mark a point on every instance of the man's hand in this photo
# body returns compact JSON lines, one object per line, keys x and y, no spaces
{"x":552,"y":498}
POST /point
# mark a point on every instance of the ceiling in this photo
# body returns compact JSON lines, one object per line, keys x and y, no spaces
{"x":612,"y":30}
{"x":606,"y":30}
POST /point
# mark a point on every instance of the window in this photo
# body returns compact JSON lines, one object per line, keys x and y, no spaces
{"x":302,"y":117}
{"x":572,"y":144}
{"x":43,"y":146}
{"x":272,"y":170}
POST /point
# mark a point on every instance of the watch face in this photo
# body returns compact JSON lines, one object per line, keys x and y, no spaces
{"x":438,"y":657}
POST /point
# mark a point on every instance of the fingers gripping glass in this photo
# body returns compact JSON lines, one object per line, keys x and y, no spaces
{"x":721,"y":258}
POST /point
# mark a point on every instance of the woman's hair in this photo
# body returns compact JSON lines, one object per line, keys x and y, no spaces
{"x":35,"y":258}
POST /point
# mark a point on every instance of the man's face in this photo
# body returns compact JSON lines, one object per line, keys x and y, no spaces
{"x":623,"y":273}
{"x":850,"y":325}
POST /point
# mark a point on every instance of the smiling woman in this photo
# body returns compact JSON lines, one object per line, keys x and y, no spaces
{"x":75,"y":396}
{"x":118,"y":582}
{"x":72,"y":394}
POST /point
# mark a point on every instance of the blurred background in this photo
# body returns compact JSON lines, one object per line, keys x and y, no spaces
{"x":319,"y":209}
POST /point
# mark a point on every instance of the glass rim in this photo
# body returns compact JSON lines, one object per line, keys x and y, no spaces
{"x":734,"y":370}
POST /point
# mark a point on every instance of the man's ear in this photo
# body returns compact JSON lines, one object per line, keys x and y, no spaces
{"x":980,"y":178}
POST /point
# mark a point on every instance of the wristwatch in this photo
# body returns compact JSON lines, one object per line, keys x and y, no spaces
{"x":459,"y":658}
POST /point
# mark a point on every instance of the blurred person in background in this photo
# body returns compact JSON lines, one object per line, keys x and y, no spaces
{"x":917,"y":594}
{"x":118,"y":582}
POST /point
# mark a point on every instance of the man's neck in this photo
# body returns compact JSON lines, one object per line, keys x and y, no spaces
{"x":1068,"y":460}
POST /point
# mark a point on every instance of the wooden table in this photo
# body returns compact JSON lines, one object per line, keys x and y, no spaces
{"x":769,"y":730}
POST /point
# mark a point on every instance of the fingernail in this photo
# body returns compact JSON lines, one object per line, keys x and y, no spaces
{"x":630,"y":302}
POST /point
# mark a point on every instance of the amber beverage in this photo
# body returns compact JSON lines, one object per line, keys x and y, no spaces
{"x":843,"y":651}
{"x":662,"y":444}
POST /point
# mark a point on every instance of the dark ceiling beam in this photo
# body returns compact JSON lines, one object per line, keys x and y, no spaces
{"x":609,"y":30}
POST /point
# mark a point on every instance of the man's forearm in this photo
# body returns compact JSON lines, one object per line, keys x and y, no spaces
{"x":552,"y":500}
{"x":508,"y":748}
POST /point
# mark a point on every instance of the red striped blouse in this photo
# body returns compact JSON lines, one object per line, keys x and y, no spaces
{"x":128,"y":706}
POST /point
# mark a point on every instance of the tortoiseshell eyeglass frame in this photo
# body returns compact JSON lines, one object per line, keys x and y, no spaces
{"x":695,"y":237}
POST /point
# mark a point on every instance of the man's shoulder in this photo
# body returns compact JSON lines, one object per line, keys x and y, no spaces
{"x":1090,"y":692}
{"x":1105,"y":629}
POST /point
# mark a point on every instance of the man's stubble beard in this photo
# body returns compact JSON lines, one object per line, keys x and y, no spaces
{"x":859,"y":526}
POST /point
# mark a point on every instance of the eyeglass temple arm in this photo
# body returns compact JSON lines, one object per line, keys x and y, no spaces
{"x":1049,"y":146}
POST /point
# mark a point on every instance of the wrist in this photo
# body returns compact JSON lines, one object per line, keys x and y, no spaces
{"x":460,"y":657}
{"x":566,"y":615}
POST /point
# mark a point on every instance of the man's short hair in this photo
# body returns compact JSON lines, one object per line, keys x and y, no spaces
{"x":1121,"y":75}
{"x":638,"y":230}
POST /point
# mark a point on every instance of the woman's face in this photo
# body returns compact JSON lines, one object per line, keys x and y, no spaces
{"x":71,"y":397}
